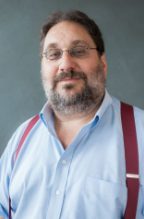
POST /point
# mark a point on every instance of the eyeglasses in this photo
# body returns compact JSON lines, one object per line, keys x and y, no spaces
{"x":78,"y":51}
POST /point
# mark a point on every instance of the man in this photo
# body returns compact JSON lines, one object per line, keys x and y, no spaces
{"x":72,"y":163}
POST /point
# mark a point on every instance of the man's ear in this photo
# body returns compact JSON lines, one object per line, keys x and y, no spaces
{"x":104,"y":62}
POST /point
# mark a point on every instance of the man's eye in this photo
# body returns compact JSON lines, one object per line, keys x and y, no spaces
{"x":79,"y":52}
{"x":54,"y":54}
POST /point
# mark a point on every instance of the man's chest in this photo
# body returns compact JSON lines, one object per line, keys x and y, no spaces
{"x":88,"y":175}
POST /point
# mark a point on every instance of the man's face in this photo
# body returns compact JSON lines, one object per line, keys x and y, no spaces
{"x":72,"y":84}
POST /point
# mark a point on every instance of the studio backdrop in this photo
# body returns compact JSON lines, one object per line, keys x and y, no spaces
{"x":21,"y":92}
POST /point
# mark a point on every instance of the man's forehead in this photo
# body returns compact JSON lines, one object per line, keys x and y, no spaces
{"x":67,"y":34}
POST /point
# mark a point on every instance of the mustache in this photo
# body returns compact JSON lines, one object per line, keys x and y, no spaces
{"x":71,"y":74}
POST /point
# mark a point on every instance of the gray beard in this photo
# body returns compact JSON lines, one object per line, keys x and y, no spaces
{"x":90,"y":96}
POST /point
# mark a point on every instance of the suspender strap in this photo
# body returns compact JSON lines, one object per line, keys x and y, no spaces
{"x":9,"y":208}
{"x":131,"y":157}
{"x":25,"y":134}
{"x":32,"y":122}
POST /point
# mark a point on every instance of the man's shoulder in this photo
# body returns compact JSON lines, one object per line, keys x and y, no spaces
{"x":10,"y":150}
{"x":139,"y":121}
{"x":138,"y":113}
{"x":21,"y":128}
{"x":16,"y":137}
{"x":116,"y":102}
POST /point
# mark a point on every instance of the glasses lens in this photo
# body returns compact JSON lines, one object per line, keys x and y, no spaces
{"x":54,"y":54}
{"x":78,"y":51}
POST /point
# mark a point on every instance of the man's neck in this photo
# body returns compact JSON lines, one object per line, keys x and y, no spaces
{"x":77,"y":117}
{"x":67,"y":127}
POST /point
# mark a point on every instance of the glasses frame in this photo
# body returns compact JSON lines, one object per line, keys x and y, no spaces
{"x":69,"y":50}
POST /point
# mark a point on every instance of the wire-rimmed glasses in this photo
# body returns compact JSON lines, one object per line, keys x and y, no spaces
{"x":77,"y":51}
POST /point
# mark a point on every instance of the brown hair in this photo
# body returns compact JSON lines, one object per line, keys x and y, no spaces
{"x":77,"y":17}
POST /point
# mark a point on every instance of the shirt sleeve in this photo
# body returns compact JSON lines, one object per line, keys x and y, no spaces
{"x":4,"y":183}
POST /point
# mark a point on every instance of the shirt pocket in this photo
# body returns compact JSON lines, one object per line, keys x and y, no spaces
{"x":104,"y":199}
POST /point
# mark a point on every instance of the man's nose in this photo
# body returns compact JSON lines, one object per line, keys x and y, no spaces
{"x":67,"y":63}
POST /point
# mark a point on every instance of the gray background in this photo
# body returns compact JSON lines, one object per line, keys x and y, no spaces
{"x":21,"y":92}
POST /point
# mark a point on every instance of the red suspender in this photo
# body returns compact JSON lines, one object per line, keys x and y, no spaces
{"x":32,"y":122}
{"x":131,"y":157}
{"x":9,"y":208}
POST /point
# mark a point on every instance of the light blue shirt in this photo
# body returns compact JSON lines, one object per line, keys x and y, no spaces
{"x":85,"y":181}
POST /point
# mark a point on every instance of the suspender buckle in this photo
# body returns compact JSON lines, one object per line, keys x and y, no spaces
{"x":135,"y":176}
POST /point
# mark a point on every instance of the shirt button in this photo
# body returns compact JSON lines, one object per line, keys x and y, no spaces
{"x":57,"y":192}
{"x":64,"y":161}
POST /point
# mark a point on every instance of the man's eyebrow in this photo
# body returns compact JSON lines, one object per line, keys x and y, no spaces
{"x":77,"y":42}
{"x":52,"y":46}
{"x":73,"y":43}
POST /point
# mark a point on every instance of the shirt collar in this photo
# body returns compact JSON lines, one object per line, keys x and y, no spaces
{"x":46,"y":113}
{"x":105,"y":103}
